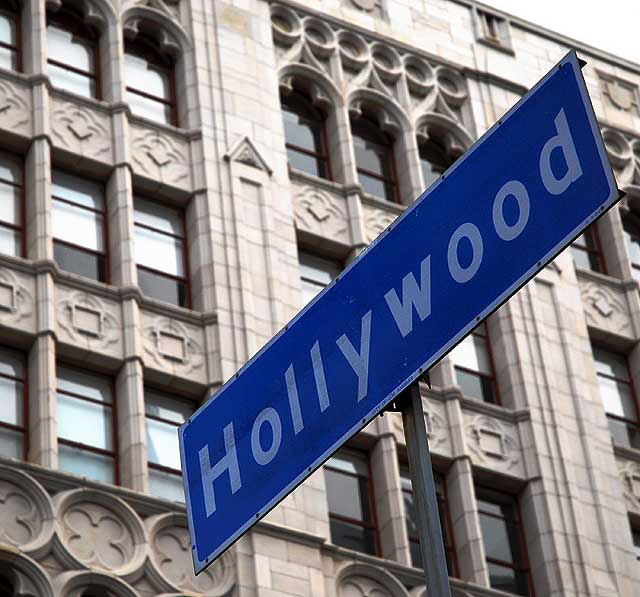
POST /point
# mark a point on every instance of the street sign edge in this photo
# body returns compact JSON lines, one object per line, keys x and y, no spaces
{"x":570,"y":59}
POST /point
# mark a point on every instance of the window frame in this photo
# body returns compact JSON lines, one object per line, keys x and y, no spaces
{"x":114,"y":419}
{"x":105,"y":227}
{"x":185,"y":250}
{"x":288,"y":100}
{"x":23,"y":202}
{"x":525,"y":567}
{"x":144,"y":47}
{"x":595,"y":251}
{"x":632,"y":220}
{"x":373,"y":525}
{"x":449,"y":549}
{"x":493,"y":379}
{"x":365,"y":122}
{"x":629,"y":383}
{"x":24,"y":430}
{"x":71,"y":22}
{"x":423,"y":146}
{"x":14,"y":11}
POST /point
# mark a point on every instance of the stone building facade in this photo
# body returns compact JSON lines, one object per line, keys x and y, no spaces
{"x":177,"y":177}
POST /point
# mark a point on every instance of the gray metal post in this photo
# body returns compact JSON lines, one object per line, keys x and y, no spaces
{"x":424,"y":493}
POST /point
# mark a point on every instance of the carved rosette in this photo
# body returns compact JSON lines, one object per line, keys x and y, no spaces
{"x":82,"y":130}
{"x":15,"y":108}
{"x":605,"y":308}
{"x":160,"y":157}
{"x":89,"y":322}
{"x":171,"y":559}
{"x":376,"y":221}
{"x":491,"y":444}
{"x":321,"y":213}
{"x":99,"y":530}
{"x":26,"y":512}
{"x":623,"y":152}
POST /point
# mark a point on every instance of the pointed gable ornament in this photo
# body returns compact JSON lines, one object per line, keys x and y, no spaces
{"x":245,"y":152}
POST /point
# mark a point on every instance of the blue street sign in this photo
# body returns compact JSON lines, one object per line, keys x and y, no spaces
{"x":509,"y":205}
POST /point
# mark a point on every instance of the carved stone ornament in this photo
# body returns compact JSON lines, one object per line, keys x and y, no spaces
{"x":245,"y":152}
{"x":27,"y":577}
{"x":321,"y":213}
{"x":99,"y":530}
{"x":375,"y":221}
{"x":160,"y":157}
{"x":435,"y":422}
{"x":74,"y":583}
{"x":623,"y":152}
{"x":81,"y":130}
{"x":15,"y":109}
{"x":169,"y":343}
{"x":374,"y":7}
{"x":606,"y":308}
{"x":630,"y":476}
{"x":88,"y":322}
{"x":171,"y":556}
{"x":364,"y":580}
{"x":26,"y":512}
{"x":620,"y":94}
{"x":491,"y":444}
{"x":16,"y":301}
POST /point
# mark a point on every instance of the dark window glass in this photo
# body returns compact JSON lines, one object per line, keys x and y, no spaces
{"x":635,"y":534}
{"x":433,"y":162}
{"x":160,"y":252}
{"x":586,"y":251}
{"x":474,"y":367}
{"x":618,"y":396}
{"x":79,"y":228}
{"x":503,"y":542}
{"x":164,"y":413}
{"x":351,"y":516}
{"x":631,"y":226}
{"x":11,"y":205}
{"x":412,"y":520}
{"x":305,"y":135}
{"x":374,"y":159}
{"x":86,"y":438}
{"x":150,"y":81}
{"x":72,"y":53}
{"x":12,"y":404}
{"x":315,"y":274}
{"x":10,"y":36}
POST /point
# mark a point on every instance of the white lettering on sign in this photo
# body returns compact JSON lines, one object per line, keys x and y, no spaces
{"x":415,"y":297}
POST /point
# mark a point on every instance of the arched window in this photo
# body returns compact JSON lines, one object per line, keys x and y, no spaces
{"x":72,"y":53}
{"x":10,"y":36}
{"x":631,"y":225}
{"x":374,"y":159}
{"x":150,"y":80}
{"x":305,"y":135}
{"x":433,"y":161}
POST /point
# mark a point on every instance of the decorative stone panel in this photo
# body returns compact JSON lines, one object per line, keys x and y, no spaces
{"x":493,"y":444}
{"x":364,"y":580}
{"x":15,"y":108}
{"x":376,"y":220}
{"x":629,"y":472}
{"x":99,"y":530}
{"x":87,"y":321}
{"x":172,"y":562}
{"x":16,"y":300}
{"x":372,"y":7}
{"x":605,"y":307}
{"x":173,"y":346}
{"x":435,"y":418}
{"x":321,"y":212}
{"x":81,"y":130}
{"x":160,"y":157}
{"x":623,"y":152}
{"x":621,"y":101}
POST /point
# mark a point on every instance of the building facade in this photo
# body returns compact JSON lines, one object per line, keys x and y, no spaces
{"x":178,"y":178}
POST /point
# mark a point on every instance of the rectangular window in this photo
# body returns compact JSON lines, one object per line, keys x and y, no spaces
{"x":315,"y":274}
{"x":13,"y":404}
{"x":412,"y":520}
{"x":586,"y":251}
{"x":503,"y":542}
{"x":164,"y":413}
{"x":618,"y":396}
{"x":10,"y":37}
{"x":635,"y":536}
{"x":79,"y":225}
{"x":474,"y":366}
{"x":161,"y":252}
{"x":11,"y":205}
{"x":350,"y":496}
{"x":86,"y":436}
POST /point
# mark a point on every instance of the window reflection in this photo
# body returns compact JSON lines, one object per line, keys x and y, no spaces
{"x":12,"y":404}
{"x":433,"y":162}
{"x":586,"y":250}
{"x":315,"y":274}
{"x":11,"y":205}
{"x":9,"y":31}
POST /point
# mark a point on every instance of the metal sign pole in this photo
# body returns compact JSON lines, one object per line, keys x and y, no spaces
{"x":424,"y":493}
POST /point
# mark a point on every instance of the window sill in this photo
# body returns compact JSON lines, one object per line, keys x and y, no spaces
{"x":318,"y":181}
{"x":373,"y":201}
{"x":626,"y":452}
{"x":486,"y":408}
{"x":613,"y":282}
{"x":495,"y":45}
